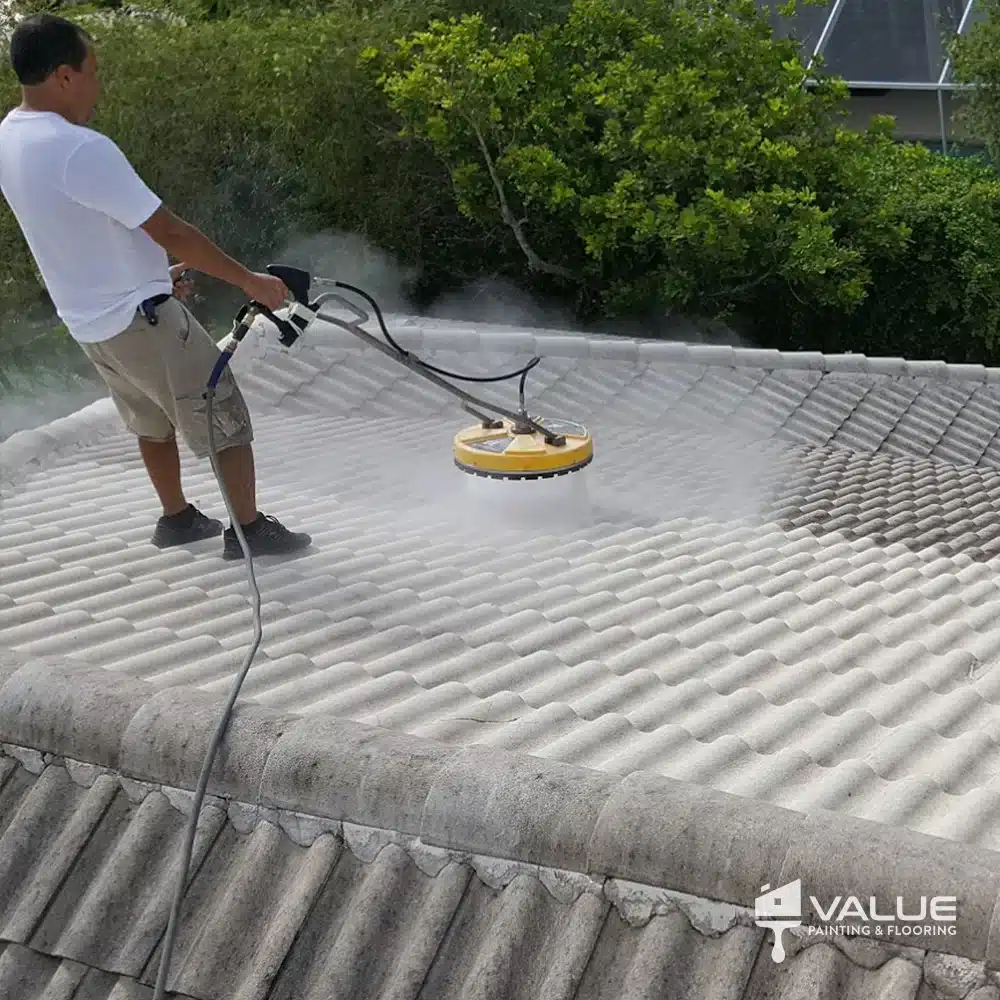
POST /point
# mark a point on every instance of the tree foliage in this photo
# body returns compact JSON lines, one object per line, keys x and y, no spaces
{"x":656,"y":154}
{"x":976,"y":61}
{"x":633,"y":156}
{"x":261,"y":137}
{"x":667,"y":156}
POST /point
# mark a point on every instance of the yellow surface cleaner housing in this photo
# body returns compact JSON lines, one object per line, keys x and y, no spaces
{"x":509,"y":449}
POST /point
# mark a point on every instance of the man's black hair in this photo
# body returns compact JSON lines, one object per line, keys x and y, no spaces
{"x":42,"y":43}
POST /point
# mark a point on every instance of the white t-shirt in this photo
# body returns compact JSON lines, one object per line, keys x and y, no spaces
{"x":80,"y":204}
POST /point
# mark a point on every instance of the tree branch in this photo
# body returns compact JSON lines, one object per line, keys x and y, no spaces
{"x":534,"y":261}
{"x":740,"y":289}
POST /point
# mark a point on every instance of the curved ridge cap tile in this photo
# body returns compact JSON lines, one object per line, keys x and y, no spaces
{"x":928,"y":368}
{"x":967,"y":373}
{"x":169,"y":735}
{"x":839,"y":855}
{"x":344,"y":770}
{"x":889,"y":366}
{"x":715,"y":845}
{"x":323,"y":333}
{"x":561,"y":345}
{"x":680,"y":836}
{"x":70,"y":709}
{"x":10,"y":663}
{"x":465,"y":339}
{"x":512,"y":805}
{"x":854,"y":363}
{"x":39,"y":445}
{"x":759,"y":357}
{"x":814,"y":361}
{"x":665,"y":351}
{"x":713,"y":354}
{"x":514,"y":341}
{"x":614,"y":349}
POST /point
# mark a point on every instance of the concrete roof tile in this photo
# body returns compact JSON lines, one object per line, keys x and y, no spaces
{"x":169,"y":735}
{"x":38,"y":709}
{"x":337,"y":769}
{"x":288,"y":907}
{"x":23,"y":614}
{"x":732,"y":608}
{"x":868,"y":865}
{"x":10,"y":663}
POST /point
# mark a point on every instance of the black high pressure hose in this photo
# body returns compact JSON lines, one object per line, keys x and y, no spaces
{"x":523,"y":372}
{"x":184,"y":872}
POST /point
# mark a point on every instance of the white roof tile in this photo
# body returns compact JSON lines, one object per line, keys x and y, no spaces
{"x":784,"y":588}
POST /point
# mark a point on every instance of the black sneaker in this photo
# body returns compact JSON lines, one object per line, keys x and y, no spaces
{"x":190,"y":525}
{"x":266,"y":536}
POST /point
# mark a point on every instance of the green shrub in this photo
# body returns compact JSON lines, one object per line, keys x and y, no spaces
{"x":665,"y":157}
{"x":928,"y":230}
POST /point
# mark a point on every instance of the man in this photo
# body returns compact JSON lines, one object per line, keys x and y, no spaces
{"x":100,"y":238}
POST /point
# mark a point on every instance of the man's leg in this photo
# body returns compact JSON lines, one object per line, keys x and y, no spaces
{"x":129,"y":365}
{"x":237,"y":468}
{"x":163,"y":463}
{"x":190,"y":354}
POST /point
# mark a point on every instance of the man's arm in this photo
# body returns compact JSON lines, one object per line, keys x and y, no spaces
{"x":186,"y":243}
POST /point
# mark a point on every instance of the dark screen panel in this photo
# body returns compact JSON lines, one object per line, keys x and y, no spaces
{"x":897,"y":41}
{"x":893,"y":40}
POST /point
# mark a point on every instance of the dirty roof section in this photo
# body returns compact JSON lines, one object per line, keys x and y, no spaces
{"x":775,"y":579}
{"x":271,"y":919}
{"x":335,"y":859}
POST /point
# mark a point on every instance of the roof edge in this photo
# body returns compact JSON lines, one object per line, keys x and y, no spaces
{"x":417,"y":333}
{"x":28,"y":451}
{"x":640,"y":828}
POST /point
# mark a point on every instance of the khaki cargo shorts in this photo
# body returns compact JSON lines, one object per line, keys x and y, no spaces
{"x":157,"y":376}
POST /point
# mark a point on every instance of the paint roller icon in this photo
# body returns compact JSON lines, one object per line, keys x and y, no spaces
{"x":779,"y":909}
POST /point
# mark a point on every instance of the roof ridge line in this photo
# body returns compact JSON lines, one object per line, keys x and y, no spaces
{"x":367,"y":842}
{"x":467,"y":335}
{"x":29,"y":450}
{"x":639,"y":827}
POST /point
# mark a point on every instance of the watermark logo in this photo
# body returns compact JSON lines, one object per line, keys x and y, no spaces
{"x":781,"y":909}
